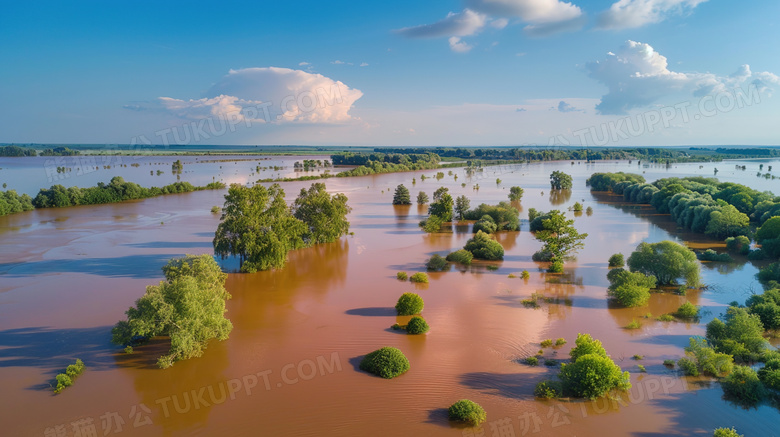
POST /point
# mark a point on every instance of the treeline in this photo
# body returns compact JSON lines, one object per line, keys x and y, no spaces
{"x":16,"y":151}
{"x":118,"y":190}
{"x":373,"y":163}
{"x":699,"y":204}
{"x":10,"y":202}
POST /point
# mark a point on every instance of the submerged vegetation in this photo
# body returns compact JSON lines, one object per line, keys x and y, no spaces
{"x":66,"y":379}
{"x":387,"y":362}
{"x":259,"y":227}
{"x":467,"y":412}
{"x":188,"y":307}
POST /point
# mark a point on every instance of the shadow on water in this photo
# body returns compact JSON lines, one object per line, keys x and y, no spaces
{"x":132,"y":266}
{"x":514,"y":386}
{"x":172,"y":245}
{"x":54,"y":349}
{"x":372,"y":312}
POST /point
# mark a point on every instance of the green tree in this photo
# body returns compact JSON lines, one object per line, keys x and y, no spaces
{"x":258,"y":227}
{"x":630,"y":289}
{"x":483,"y":246}
{"x":422,"y":198}
{"x":559,"y":236}
{"x":515,"y":194}
{"x":726,"y":432}
{"x":592,"y":373}
{"x":441,"y":207}
{"x":485,"y":224}
{"x":188,"y":307}
{"x":461,"y":206}
{"x":401,"y":196}
{"x":324,"y":215}
{"x":667,"y":261}
{"x":560,"y":181}
{"x":770,"y":230}
{"x":728,"y":222}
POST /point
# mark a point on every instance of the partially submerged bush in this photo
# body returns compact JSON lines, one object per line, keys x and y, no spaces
{"x":743,"y":385}
{"x":525,"y":274}
{"x":560,"y":342}
{"x":417,"y":325}
{"x":687,"y":311}
{"x":436,"y":263}
{"x":419,"y":277}
{"x":387,"y":362}
{"x":409,"y":304}
{"x":548,"y":389}
{"x":468,"y":412}
{"x":531,"y":361}
{"x":592,"y":375}
{"x":740,"y":245}
{"x":486,"y":224}
{"x":706,"y":360}
{"x":71,"y":372}
{"x":630,"y":289}
{"x":402,"y":276}
{"x":726,"y":432}
{"x":483,"y":246}
{"x":617,"y":260}
{"x":712,"y":256}
{"x":547,"y":343}
{"x":462,"y":256}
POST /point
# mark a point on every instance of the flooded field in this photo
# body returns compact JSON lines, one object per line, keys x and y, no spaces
{"x":289,"y":367}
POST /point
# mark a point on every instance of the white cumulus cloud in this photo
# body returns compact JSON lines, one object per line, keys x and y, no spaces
{"x":628,"y":14}
{"x":637,"y":75}
{"x":458,"y":46}
{"x":270,"y":94}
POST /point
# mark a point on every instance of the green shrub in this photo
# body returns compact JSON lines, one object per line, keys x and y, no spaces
{"x":769,"y":230}
{"x":417,"y":325}
{"x":525,"y":274}
{"x":468,"y":412}
{"x":726,"y":432}
{"x":409,"y":304}
{"x":492,"y":267}
{"x":688,"y":367}
{"x":387,"y":362}
{"x":542,"y":256}
{"x":515,"y":194}
{"x":666,"y":318}
{"x":687,"y":311}
{"x":577,"y":207}
{"x":586,"y":345}
{"x":617,"y":260}
{"x":739,"y":244}
{"x":770,"y":374}
{"x":638,"y":357}
{"x":743,"y":385}
{"x":215,"y":209}
{"x":548,"y":390}
{"x":530,"y":303}
{"x":547,"y":343}
{"x":436,"y":263}
{"x":669,"y":363}
{"x":462,"y":256}
{"x":560,"y":342}
{"x":629,"y":289}
{"x":589,"y":210}
{"x":419,"y":277}
{"x":486,"y":224}
{"x":642,"y":368}
{"x":634,"y":324}
{"x":531,"y":361}
{"x":592,"y":376}
{"x":483,"y":246}
{"x":711,"y":255}
{"x":402,"y":276}
{"x":549,"y":362}
{"x":71,"y":373}
{"x":708,"y":361}
{"x":432,"y":224}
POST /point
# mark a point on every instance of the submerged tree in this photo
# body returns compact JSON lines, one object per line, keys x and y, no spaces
{"x":560,"y":181}
{"x":188,"y":307}
{"x":561,"y":240}
{"x":324,"y":215}
{"x":422,"y":198}
{"x":442,"y":205}
{"x":667,"y":261}
{"x":401,"y":196}
{"x":258,"y":227}
{"x":515,"y":194}
{"x":461,"y":206}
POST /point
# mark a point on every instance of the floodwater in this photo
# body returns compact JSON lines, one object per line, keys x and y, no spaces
{"x":289,"y":367}
{"x":30,"y":174}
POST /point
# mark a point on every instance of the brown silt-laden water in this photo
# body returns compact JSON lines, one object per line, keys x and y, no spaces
{"x":289,"y":367}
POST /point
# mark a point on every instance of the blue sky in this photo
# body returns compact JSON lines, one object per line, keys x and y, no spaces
{"x":465,"y":72}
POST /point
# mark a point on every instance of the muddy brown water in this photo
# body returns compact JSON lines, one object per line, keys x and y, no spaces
{"x":289,"y":367}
